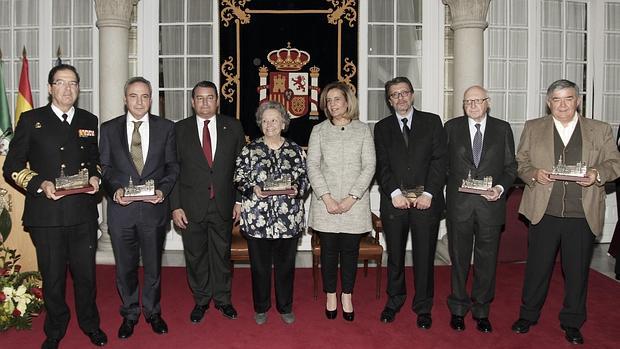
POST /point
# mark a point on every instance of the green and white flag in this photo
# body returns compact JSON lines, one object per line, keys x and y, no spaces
{"x":6,"y":130}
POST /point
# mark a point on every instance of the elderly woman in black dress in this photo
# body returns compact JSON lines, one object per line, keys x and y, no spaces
{"x":272,"y":224}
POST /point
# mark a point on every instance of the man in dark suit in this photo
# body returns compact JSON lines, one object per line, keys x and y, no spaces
{"x":138,"y":146}
{"x":478,"y":146}
{"x":47,"y":140}
{"x":563,"y":215}
{"x":203,"y":200}
{"x":411,"y":152}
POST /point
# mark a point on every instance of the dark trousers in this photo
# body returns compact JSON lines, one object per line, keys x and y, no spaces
{"x":575,"y":240}
{"x":343,"y":248}
{"x":461,"y":236}
{"x":128,"y":244}
{"x":206,"y":247}
{"x":424,"y":226}
{"x":56,"y":248}
{"x":281,"y":254}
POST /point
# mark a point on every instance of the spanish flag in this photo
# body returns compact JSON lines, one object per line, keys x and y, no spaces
{"x":24,"y":98}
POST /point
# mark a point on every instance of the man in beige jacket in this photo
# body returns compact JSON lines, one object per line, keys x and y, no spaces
{"x":563,"y":214}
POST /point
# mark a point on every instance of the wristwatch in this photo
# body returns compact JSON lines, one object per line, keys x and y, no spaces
{"x":354,"y":197}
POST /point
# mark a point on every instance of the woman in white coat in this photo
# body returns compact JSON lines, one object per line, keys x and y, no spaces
{"x":341,"y":165}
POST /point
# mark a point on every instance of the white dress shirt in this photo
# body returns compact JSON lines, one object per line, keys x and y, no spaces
{"x":59,"y":113}
{"x":566,"y":132}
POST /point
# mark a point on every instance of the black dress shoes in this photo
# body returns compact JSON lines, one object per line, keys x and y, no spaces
{"x":227,"y":310}
{"x":572,"y":335}
{"x":126,"y":329}
{"x":50,"y":343}
{"x":348,"y":316}
{"x":425,"y":321}
{"x":387,"y":315}
{"x":157,"y":324}
{"x":522,"y":326}
{"x":198,"y":313}
{"x":484,"y":325}
{"x":457,"y":323}
{"x":98,"y":337}
{"x":331,"y":314}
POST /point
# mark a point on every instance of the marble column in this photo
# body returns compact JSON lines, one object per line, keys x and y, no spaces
{"x":113,"y":22}
{"x":468,"y":23}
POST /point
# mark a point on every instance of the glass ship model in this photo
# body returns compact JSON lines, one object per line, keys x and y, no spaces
{"x":477,"y":186}
{"x":564,"y":172}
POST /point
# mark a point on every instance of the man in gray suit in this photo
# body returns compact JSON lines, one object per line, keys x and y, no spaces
{"x":478,"y":145}
{"x":203,"y":199}
{"x":562,"y":214}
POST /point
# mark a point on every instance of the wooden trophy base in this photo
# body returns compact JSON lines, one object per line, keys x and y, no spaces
{"x":567,"y":178}
{"x":476,"y":191}
{"x":140,"y":198}
{"x":65,"y":192}
{"x":279,"y":192}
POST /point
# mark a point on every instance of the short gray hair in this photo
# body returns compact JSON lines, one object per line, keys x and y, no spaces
{"x":137,"y":79}
{"x":277,"y":106}
{"x":560,"y":85}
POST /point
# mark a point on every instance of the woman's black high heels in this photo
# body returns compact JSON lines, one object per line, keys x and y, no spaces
{"x":331,"y":314}
{"x":348,"y":316}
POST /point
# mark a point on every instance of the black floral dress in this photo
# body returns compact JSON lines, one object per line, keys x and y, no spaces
{"x":278,"y":216}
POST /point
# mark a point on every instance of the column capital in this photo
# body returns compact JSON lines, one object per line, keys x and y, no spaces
{"x":468,"y":13}
{"x":114,"y":13}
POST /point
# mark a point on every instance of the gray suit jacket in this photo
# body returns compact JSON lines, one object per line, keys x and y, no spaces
{"x":341,"y":161}
{"x":535,"y":152}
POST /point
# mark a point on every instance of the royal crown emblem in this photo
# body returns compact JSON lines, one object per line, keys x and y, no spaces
{"x":297,"y":90}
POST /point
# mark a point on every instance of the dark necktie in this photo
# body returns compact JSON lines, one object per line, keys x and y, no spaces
{"x":406,"y":131}
{"x":477,"y":145}
{"x":136,"y":147}
{"x":64,"y":119}
{"x":206,"y":149}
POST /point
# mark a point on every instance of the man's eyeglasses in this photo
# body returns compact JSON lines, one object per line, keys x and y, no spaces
{"x":62,"y":83}
{"x":474,"y":101}
{"x":397,"y":95}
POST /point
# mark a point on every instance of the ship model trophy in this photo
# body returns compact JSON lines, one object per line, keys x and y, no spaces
{"x":278,"y":186}
{"x":140,"y":192}
{"x":75,"y":184}
{"x":569,"y":173}
{"x":477,"y":186}
{"x":412,"y":193}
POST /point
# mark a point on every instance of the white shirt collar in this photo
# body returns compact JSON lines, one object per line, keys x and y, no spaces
{"x":59,"y":113}
{"x":409,"y":117}
{"x":566,"y":132}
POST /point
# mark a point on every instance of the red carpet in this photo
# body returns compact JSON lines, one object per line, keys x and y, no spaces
{"x":312,"y":330}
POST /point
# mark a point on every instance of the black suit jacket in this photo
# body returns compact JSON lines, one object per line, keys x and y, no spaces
{"x":191,"y":193}
{"x":42,"y":141}
{"x":160,"y":165}
{"x":422,"y":163}
{"x":497,"y":160}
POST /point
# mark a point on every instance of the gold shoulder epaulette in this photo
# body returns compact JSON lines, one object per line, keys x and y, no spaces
{"x":23,"y":177}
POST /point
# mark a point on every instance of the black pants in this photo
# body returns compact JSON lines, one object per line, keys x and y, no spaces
{"x":424,"y":226}
{"x":281,"y":254}
{"x":128,"y":244}
{"x":575,"y":239}
{"x":206,"y":246}
{"x":461,"y":239}
{"x":343,"y":248}
{"x":56,"y":248}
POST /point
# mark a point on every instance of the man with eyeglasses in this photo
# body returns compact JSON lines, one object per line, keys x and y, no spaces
{"x":60,"y":137}
{"x":138,"y":147}
{"x":563,"y":214}
{"x":479,"y":145}
{"x":204,"y":202}
{"x":411,"y":156}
